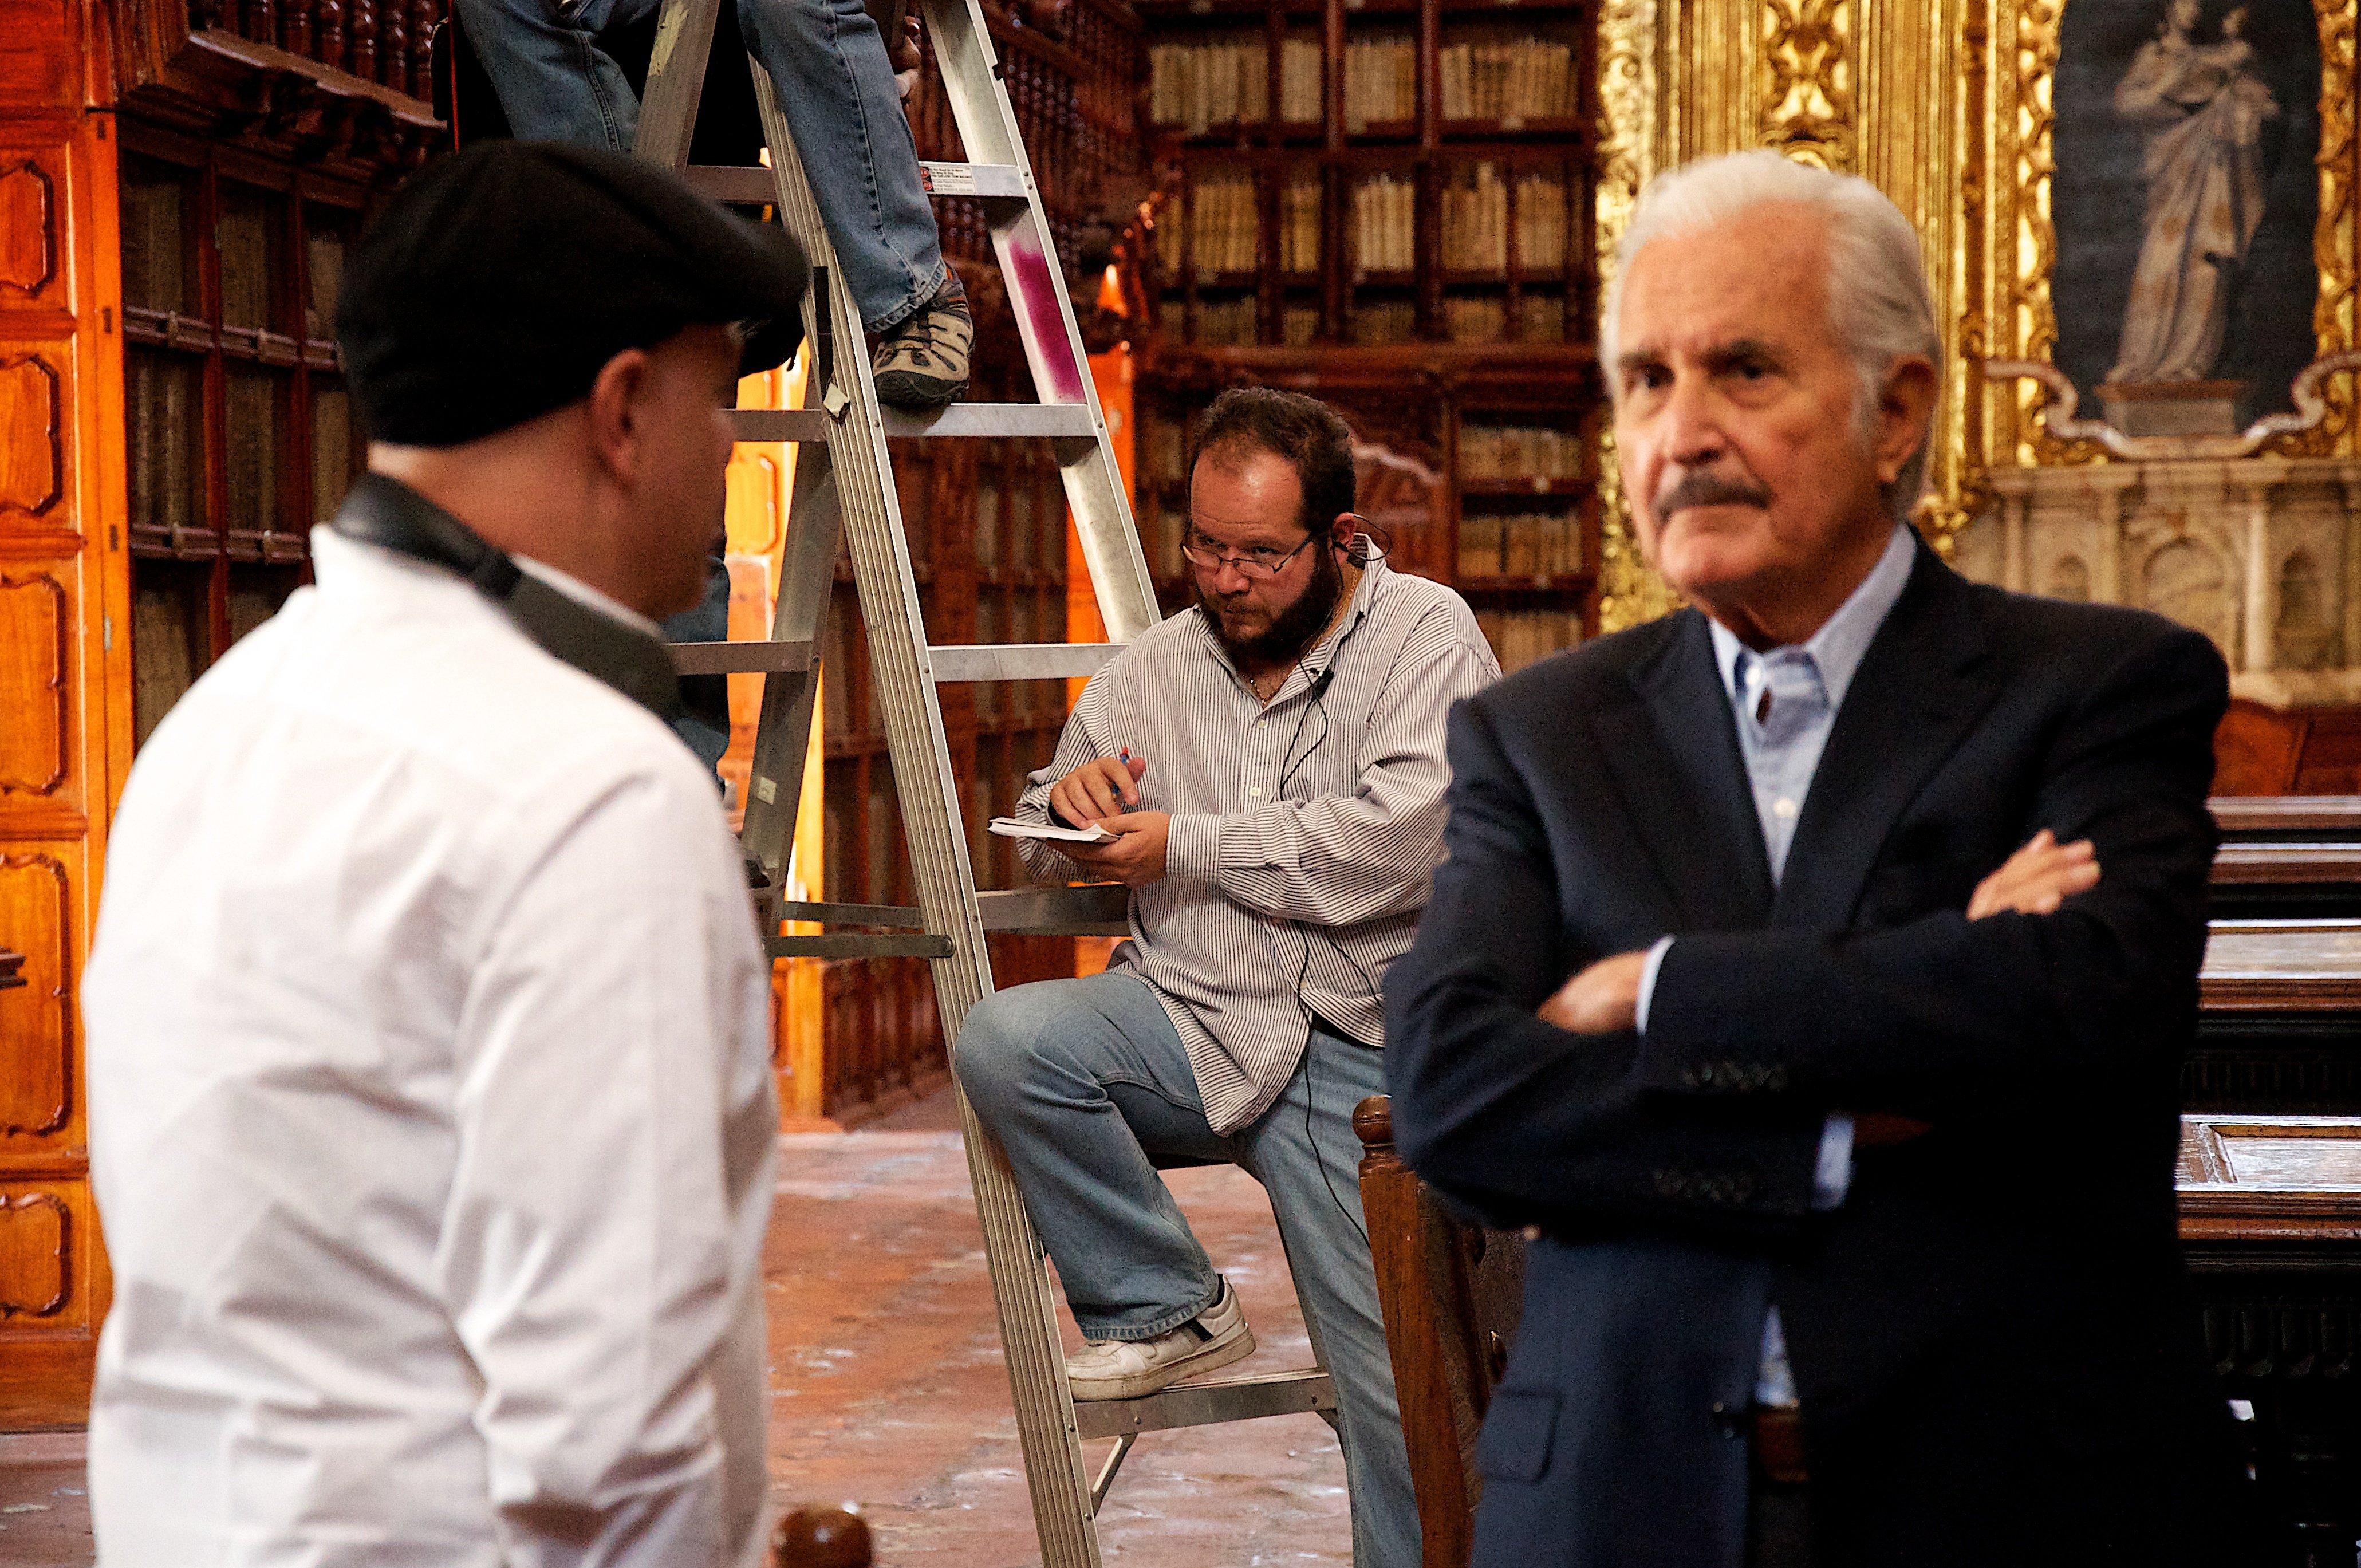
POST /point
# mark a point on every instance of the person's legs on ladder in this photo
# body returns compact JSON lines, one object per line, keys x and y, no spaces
{"x":554,"y":82}
{"x":836,"y":88}
{"x":1304,"y":1152}
{"x":1084,"y":1082}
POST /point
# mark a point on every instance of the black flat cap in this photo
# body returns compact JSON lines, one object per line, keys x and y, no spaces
{"x":498,"y":281}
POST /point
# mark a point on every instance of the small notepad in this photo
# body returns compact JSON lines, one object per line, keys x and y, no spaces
{"x":1009,"y":827}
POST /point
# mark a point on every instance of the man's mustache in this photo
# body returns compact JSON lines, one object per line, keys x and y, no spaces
{"x":1704,"y":487}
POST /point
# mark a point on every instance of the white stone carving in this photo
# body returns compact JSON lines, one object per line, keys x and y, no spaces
{"x":2263,"y":554}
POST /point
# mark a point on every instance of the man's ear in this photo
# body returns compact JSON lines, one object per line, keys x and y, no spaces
{"x":616,"y":396}
{"x":1905,"y":414}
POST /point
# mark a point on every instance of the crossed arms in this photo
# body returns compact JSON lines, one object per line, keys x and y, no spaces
{"x":1524,"y":1119}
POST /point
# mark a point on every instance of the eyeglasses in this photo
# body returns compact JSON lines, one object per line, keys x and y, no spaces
{"x":1258,"y":563}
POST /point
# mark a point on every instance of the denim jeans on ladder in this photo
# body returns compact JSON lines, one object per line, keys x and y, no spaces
{"x":1086,"y":1084}
{"x":834,"y":84}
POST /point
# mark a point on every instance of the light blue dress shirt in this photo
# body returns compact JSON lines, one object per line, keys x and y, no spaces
{"x":1786,"y":702}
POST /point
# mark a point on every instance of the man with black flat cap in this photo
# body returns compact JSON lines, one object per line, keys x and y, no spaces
{"x":430,"y":1086}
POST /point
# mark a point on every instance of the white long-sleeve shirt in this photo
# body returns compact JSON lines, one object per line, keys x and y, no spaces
{"x":432,"y":1112}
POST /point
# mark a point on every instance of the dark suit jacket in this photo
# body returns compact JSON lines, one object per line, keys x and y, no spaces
{"x":1993,"y":1338}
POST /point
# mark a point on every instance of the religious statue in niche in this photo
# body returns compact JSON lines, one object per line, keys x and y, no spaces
{"x":2185,"y":199}
{"x":2202,"y":108}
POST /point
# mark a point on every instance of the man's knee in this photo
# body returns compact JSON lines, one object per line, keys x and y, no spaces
{"x":996,"y":1045}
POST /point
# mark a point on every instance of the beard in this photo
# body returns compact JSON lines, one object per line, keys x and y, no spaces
{"x":1295,"y":629}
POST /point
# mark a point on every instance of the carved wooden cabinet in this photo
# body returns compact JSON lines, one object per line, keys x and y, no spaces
{"x":62,"y":740}
{"x":243,"y":114}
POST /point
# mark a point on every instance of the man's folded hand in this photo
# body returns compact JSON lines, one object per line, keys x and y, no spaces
{"x":1601,"y":1000}
{"x":2038,"y":878}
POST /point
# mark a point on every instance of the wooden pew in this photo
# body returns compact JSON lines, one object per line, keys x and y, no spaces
{"x":2270,"y":1214}
{"x":2280,"y":1029}
{"x":1452,"y":1295}
{"x":2287,"y":857}
{"x":2270,"y":1220}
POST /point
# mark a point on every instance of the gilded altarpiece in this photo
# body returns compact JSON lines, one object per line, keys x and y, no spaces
{"x":1949,"y":106}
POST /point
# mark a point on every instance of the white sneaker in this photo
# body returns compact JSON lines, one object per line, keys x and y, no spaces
{"x":1130,"y":1368}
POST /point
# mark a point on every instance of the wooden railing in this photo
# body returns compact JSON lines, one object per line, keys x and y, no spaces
{"x":384,"y":42}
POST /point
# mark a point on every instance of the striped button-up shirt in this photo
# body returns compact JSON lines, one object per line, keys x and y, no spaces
{"x":1304,"y":833}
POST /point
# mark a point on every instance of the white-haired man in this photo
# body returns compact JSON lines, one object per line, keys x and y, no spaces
{"x":1774,"y":975}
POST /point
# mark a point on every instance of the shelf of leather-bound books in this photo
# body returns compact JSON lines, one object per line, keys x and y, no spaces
{"x":1230,"y":85}
{"x":1500,"y":72}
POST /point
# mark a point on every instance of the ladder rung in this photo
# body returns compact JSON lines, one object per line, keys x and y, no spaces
{"x":854,"y":944}
{"x":993,"y":419}
{"x":1018,"y":660}
{"x":966,"y":180}
{"x":740,"y":658}
{"x":900,"y":914}
{"x":1214,"y":1399}
{"x":748,"y":184}
{"x":1098,"y":909}
{"x":778,"y":424}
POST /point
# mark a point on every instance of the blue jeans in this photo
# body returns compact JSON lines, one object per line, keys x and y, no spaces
{"x":1085,"y":1083}
{"x":835,"y":86}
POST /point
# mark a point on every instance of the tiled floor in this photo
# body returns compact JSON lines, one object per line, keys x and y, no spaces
{"x":888,"y":1390}
{"x":44,"y":1513}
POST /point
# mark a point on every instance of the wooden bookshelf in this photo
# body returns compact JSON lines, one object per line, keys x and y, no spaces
{"x":1421,"y":236}
{"x":254,"y":136}
{"x":239,"y":432}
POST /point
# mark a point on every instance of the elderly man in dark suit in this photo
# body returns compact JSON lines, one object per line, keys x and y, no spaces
{"x":1812,"y":969}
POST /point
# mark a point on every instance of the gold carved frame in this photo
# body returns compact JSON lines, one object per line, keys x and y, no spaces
{"x":1946,"y":106}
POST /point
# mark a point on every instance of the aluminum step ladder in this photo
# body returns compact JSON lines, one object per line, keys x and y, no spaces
{"x":844,"y":490}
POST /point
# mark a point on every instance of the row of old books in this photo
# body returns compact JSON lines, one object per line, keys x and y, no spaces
{"x":1532,"y":79}
{"x":1534,"y":546}
{"x":1474,"y":216}
{"x":1224,"y":227}
{"x":1237,"y":324}
{"x":1385,"y":224}
{"x":1476,"y":220}
{"x":1522,"y":637}
{"x":1224,"y":223}
{"x":1299,"y":226}
{"x":1379,"y":323}
{"x":1234,"y":322}
{"x":1518,"y":452}
{"x":1380,"y":81}
{"x":1197,"y":86}
{"x":1484,"y":318}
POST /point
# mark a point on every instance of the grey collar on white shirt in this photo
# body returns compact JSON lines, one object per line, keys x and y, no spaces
{"x":1842,"y":642}
{"x":583,"y":594}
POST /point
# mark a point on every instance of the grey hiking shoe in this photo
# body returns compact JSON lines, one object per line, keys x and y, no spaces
{"x":923,"y":362}
{"x":1131,"y":1369}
